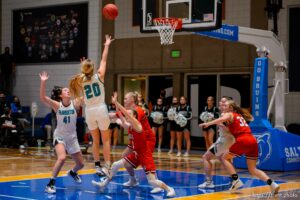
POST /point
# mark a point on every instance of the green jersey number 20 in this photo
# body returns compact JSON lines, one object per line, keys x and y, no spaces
{"x":92,"y":90}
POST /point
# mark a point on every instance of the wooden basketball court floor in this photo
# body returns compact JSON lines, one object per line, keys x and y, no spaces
{"x":24,"y":175}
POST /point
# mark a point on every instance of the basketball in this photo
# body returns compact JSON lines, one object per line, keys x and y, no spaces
{"x":110,"y":11}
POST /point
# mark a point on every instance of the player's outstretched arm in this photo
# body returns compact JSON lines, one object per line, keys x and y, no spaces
{"x":224,"y":118}
{"x":122,"y":121}
{"x":135,"y":124}
{"x":45,"y":99}
{"x":102,"y":67}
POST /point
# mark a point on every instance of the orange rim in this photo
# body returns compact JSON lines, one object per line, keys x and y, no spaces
{"x":164,"y":20}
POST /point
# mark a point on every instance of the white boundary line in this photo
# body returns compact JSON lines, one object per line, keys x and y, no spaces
{"x":9,"y":158}
{"x":87,"y":191}
{"x":15,"y":197}
{"x":20,"y":186}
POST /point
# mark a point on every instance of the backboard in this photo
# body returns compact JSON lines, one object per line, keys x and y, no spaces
{"x":196,"y":15}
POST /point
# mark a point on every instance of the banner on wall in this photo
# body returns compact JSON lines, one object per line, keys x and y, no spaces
{"x":226,"y":32}
{"x":50,"y":34}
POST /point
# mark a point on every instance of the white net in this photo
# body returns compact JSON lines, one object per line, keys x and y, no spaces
{"x":166,"y":28}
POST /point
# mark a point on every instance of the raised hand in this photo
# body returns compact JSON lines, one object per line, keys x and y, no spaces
{"x":108,"y":39}
{"x":44,"y":76}
{"x":82,"y":59}
{"x":114,"y":98}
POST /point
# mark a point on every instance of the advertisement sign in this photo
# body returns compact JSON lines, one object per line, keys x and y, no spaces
{"x":226,"y":32}
{"x":278,"y":151}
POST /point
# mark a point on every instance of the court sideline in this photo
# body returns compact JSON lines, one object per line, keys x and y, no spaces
{"x":25,"y":174}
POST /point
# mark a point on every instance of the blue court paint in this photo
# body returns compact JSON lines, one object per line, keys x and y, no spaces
{"x":185,"y":184}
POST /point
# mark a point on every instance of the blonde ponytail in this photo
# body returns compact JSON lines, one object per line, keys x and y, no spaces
{"x":87,"y":68}
{"x":75,"y":85}
{"x":87,"y":71}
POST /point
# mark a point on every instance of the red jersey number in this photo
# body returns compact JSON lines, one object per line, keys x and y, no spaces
{"x":242,"y":121}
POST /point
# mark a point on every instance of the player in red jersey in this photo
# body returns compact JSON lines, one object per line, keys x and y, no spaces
{"x":142,"y":151}
{"x":130,"y":102}
{"x":245,"y":143}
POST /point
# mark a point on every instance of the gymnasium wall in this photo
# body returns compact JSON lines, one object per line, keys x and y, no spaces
{"x":293,"y":98}
{"x":27,"y":79}
{"x":198,"y":54}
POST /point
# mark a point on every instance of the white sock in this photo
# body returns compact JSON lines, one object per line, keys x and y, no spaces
{"x":153,"y":181}
{"x":116,"y":166}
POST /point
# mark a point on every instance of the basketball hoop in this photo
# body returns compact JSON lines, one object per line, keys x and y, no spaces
{"x":166,"y":28}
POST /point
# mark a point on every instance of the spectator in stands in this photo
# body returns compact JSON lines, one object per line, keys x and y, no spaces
{"x":7,"y":70}
{"x":16,"y":108}
{"x":3,"y":102}
{"x":11,"y":129}
{"x":16,"y":111}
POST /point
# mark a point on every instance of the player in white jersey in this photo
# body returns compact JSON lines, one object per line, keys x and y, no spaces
{"x":65,"y":135}
{"x":91,"y":87}
{"x":221,"y":146}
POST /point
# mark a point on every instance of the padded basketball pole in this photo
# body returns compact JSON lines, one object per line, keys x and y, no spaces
{"x":268,"y":45}
{"x":272,"y":47}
